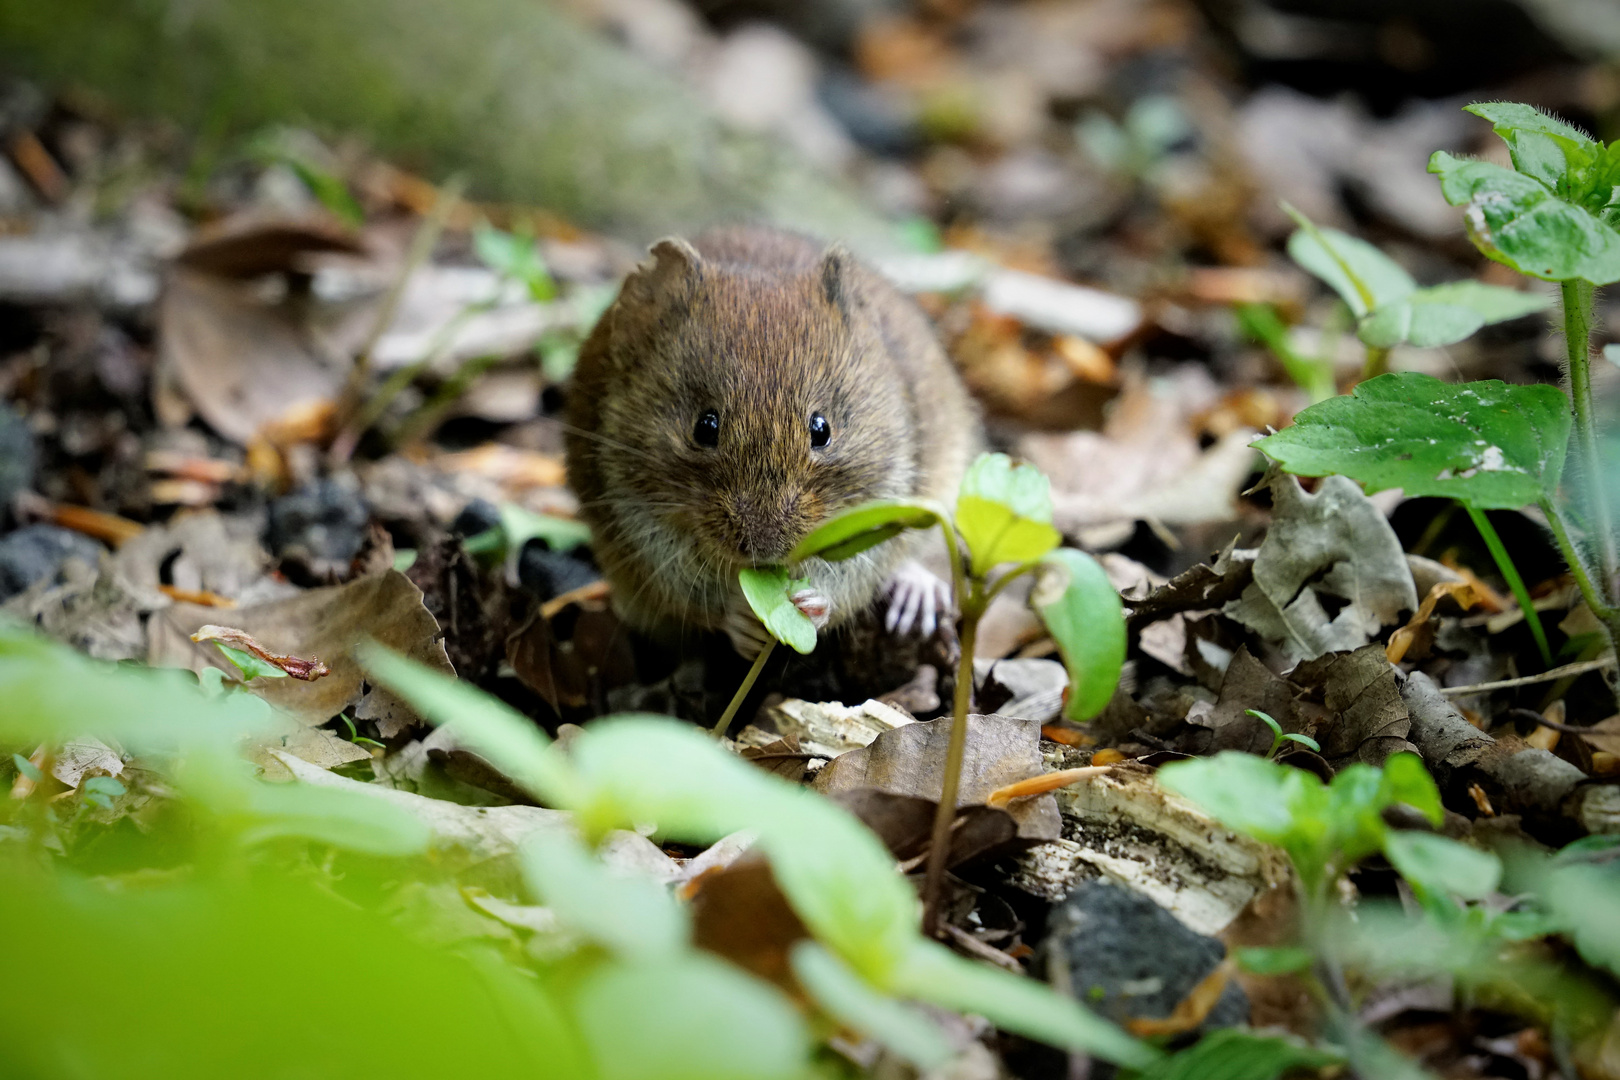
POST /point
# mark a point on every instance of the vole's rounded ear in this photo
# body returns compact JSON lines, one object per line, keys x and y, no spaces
{"x":675,"y":265}
{"x":837,"y":267}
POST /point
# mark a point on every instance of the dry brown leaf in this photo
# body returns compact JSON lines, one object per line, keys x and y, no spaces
{"x":910,"y":761}
{"x":1191,"y":1010}
{"x":1603,"y":736}
{"x":1401,"y":641}
{"x":243,"y":361}
{"x":326,"y":622}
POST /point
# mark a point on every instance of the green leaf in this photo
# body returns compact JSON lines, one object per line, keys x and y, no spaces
{"x":249,"y":665}
{"x":488,"y":727}
{"x":1494,"y":446}
{"x":862,"y":527}
{"x":694,"y":1017}
{"x":934,"y":974}
{"x":1543,"y":147}
{"x":1274,"y":960}
{"x":344,"y":819}
{"x":850,"y":1000}
{"x":1406,"y":780}
{"x":631,"y":914}
{"x":1265,"y":718}
{"x":1446,"y":314}
{"x":1084,"y":614}
{"x":560,"y":534}
{"x":27,"y":768}
{"x":1441,"y":867}
{"x":1246,"y":792}
{"x":768,"y":593}
{"x":1303,"y":740}
{"x":1021,"y":487}
{"x":1364,"y":277}
{"x":1514,"y":219}
{"x":329,"y":190}
{"x":1004,"y":513}
{"x":103,"y":785}
{"x":516,"y":257}
{"x":1236,"y":1054}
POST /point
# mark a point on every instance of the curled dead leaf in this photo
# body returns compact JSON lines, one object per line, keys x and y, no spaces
{"x":295,"y":666}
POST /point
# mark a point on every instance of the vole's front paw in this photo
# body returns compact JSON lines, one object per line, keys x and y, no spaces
{"x":918,"y":600}
{"x":748,"y":635}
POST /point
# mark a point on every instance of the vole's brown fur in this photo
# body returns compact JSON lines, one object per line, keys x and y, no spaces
{"x":767,"y":329}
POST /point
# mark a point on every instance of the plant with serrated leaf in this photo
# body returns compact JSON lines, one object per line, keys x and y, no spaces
{"x":1555,"y":215}
{"x":1000,"y":530}
{"x":1486,"y":444}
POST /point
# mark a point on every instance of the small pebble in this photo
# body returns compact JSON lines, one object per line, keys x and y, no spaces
{"x":36,"y":552}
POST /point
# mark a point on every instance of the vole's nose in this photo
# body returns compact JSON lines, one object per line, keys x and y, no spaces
{"x":765,"y":530}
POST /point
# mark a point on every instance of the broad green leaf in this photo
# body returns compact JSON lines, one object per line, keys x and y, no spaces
{"x":214,"y":941}
{"x":1084,"y":614}
{"x":934,"y":974}
{"x":560,"y":534}
{"x":344,"y":819}
{"x":102,"y":785}
{"x":1441,"y":867}
{"x":1446,"y":313}
{"x":1516,"y":220}
{"x":1236,"y":1054}
{"x":835,"y":872}
{"x":1004,"y":513}
{"x":1494,"y":446}
{"x":27,"y":768}
{"x":694,"y":1017}
{"x":249,"y":665}
{"x":1406,"y":780}
{"x":767,"y":591}
{"x":511,"y":742}
{"x":850,"y":1000}
{"x":1542,"y":147}
{"x":50,"y":691}
{"x":996,"y":535}
{"x":1246,"y":792}
{"x":1021,"y":487}
{"x":1364,"y":277}
{"x":629,"y":913}
{"x":1274,"y":960}
{"x":863,"y":527}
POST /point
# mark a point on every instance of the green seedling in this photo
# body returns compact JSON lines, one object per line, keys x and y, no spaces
{"x":249,"y":665}
{"x":1278,"y":736}
{"x":1312,"y":374}
{"x":1326,"y":829}
{"x":1001,"y":530}
{"x":1555,"y":215}
{"x":1388,"y":306}
{"x":861,"y":915}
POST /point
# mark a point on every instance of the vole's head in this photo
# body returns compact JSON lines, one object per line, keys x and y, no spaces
{"x":741,"y":406}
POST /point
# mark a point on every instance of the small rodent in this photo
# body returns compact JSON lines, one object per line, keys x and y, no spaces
{"x":742,"y":388}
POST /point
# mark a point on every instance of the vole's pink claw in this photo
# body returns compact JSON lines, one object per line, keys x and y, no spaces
{"x":814,"y":604}
{"x":917,"y":600}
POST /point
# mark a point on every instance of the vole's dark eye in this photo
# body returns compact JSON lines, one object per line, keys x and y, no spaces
{"x":707,"y":430}
{"x":820,"y":430}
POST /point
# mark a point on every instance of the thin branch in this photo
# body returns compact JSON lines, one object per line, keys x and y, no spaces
{"x":1568,"y":670}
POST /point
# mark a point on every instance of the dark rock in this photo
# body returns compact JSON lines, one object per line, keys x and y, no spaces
{"x":37,"y":552}
{"x":479,"y":515}
{"x":324,"y":522}
{"x":1129,"y":958}
{"x":548,"y":573}
{"x":17,"y":458}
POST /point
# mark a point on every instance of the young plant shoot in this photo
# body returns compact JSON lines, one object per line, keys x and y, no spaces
{"x":1000,"y":531}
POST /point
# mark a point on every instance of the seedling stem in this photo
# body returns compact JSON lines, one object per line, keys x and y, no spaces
{"x":1510,"y":573}
{"x":742,"y":691}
